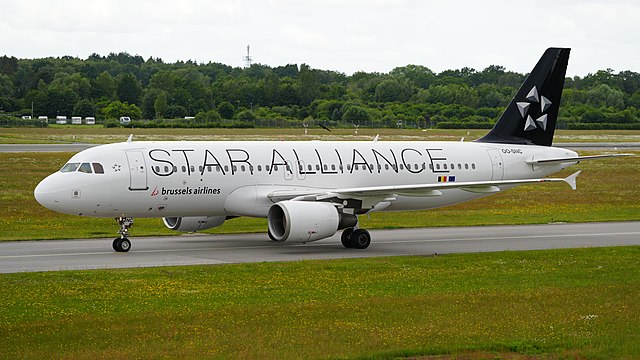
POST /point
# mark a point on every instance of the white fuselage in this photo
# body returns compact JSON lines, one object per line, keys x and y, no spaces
{"x":162,"y":179}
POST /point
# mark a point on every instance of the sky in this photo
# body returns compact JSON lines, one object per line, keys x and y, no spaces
{"x":338,"y":35}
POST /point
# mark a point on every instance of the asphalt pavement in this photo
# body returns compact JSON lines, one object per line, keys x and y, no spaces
{"x":192,"y":249}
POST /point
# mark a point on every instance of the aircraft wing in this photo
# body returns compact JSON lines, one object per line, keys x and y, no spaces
{"x":574,"y":159}
{"x":418,"y":190}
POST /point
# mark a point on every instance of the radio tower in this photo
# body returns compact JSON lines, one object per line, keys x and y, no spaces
{"x":247,"y":59}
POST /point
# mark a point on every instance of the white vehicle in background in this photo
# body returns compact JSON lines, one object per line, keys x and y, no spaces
{"x":90,"y":120}
{"x":61,"y":120}
{"x":76,"y":120}
{"x":125,"y":120}
{"x":44,"y":119}
{"x":26,"y":117}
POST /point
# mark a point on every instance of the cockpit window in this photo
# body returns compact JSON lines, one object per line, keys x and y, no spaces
{"x":97,"y":168}
{"x":70,"y":167}
{"x":85,"y":168}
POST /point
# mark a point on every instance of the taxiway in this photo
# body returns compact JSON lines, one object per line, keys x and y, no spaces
{"x":193,"y":249}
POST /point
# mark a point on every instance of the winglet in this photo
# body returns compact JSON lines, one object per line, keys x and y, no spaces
{"x":571,"y":179}
{"x":130,"y":138}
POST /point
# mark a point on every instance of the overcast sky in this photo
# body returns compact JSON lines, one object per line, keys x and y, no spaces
{"x":339,"y":35}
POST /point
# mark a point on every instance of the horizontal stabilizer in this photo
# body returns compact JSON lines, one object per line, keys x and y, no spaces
{"x":571,"y":179}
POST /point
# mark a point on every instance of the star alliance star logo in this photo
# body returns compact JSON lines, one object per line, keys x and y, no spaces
{"x":116,"y":167}
{"x":523,"y":107}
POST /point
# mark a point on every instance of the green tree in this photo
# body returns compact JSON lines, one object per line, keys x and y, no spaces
{"x":160,"y":105}
{"x":117,"y":109}
{"x":207,"y":116}
{"x":84,"y":108}
{"x":391,"y":90}
{"x":226,"y":110}
{"x":104,"y":86}
{"x":246,"y":115}
{"x":129,"y":89}
{"x":356,"y":115}
{"x":309,"y":86}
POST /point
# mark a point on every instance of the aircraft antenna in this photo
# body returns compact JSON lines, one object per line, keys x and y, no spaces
{"x":247,"y":59}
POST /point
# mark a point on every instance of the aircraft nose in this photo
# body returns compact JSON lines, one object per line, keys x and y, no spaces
{"x":46,"y":194}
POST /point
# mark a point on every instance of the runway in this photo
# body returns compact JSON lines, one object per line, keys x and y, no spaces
{"x":29,"y":256}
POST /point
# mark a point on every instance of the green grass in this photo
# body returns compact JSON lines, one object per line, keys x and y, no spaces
{"x":98,"y":135}
{"x":580,"y":303}
{"x":607,"y":191}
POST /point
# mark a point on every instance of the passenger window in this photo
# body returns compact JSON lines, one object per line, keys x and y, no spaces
{"x":473,"y":166}
{"x":85,"y":168}
{"x":70,"y":167}
{"x":259,"y":167}
{"x":466,"y":166}
{"x":97,"y":168}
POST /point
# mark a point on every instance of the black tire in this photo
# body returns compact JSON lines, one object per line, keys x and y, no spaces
{"x":345,"y":238}
{"x":115,"y":244}
{"x":121,"y":245}
{"x":125,"y":245}
{"x":361,"y":239}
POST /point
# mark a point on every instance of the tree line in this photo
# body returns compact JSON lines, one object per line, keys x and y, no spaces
{"x":212,"y":94}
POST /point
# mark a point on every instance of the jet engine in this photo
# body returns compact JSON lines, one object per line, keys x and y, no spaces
{"x":190,"y":224}
{"x":302,"y":221}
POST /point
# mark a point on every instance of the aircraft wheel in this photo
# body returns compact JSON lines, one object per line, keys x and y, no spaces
{"x":361,"y":239}
{"x":125,"y":245}
{"x":121,"y":244}
{"x":345,"y":238}
{"x":115,"y":244}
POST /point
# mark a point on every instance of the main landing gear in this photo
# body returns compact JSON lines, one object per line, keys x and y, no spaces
{"x":355,"y":238}
{"x":122,"y":243}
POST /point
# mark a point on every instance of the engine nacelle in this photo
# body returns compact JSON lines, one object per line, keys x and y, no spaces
{"x":302,"y":221}
{"x":196,"y":223}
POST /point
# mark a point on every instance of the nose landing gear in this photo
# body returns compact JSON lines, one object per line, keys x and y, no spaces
{"x":122,"y":243}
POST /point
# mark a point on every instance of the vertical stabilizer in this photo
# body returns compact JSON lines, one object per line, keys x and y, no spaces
{"x":530,"y":117}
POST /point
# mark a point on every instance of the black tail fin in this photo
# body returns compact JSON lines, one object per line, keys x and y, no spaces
{"x":530,"y":117}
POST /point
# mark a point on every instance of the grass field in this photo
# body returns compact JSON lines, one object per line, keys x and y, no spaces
{"x":574,"y":303}
{"x":607,"y":191}
{"x":99,"y":135}
{"x":577,"y":304}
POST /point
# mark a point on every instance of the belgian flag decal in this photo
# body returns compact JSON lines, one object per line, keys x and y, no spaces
{"x":444,"y":179}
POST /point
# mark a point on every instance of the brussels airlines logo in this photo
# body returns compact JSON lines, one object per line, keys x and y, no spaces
{"x":155,"y":191}
{"x":523,"y":107}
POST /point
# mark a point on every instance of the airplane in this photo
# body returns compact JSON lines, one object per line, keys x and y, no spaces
{"x":309,"y":190}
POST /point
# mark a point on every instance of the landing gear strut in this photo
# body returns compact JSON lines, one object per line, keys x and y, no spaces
{"x":122,"y":243}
